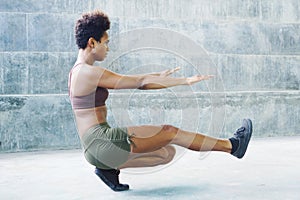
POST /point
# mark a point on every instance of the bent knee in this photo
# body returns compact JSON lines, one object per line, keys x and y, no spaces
{"x":169,"y":132}
{"x":170,"y":128}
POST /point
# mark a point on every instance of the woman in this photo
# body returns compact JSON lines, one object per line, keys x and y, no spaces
{"x":111,"y":149}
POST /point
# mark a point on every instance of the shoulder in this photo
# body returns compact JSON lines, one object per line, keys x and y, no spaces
{"x":90,"y":71}
{"x":87,"y":76}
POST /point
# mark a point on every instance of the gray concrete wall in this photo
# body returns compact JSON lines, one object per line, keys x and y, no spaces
{"x":254,"y":47}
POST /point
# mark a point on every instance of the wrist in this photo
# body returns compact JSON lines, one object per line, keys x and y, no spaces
{"x":184,"y":81}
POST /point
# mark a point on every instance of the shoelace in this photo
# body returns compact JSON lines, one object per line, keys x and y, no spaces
{"x":239,"y":132}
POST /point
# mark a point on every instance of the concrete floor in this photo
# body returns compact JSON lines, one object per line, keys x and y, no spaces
{"x":270,"y":170}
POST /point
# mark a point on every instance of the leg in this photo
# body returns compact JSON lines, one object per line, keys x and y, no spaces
{"x":151,"y":138}
{"x":161,"y":156}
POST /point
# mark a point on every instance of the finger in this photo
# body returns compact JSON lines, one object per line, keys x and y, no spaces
{"x":205,"y":77}
{"x":171,"y":71}
{"x":209,"y":76}
{"x":176,"y":69}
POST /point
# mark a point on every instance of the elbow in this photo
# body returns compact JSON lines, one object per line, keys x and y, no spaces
{"x":151,"y":86}
{"x":142,"y":88}
{"x":142,"y":85}
{"x":145,"y":84}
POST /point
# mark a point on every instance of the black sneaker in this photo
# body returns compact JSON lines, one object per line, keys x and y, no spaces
{"x":243,"y":136}
{"x":111,"y":178}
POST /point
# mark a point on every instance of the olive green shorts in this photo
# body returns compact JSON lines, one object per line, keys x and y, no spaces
{"x":106,"y":147}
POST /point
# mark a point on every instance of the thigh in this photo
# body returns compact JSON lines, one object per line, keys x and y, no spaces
{"x":145,"y":131}
{"x":161,"y":156}
{"x":160,"y":153}
{"x":146,"y":139}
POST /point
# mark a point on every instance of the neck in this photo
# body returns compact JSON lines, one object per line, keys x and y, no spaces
{"x":85,"y":56}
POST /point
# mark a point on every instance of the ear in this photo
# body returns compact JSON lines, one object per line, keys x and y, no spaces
{"x":91,"y":42}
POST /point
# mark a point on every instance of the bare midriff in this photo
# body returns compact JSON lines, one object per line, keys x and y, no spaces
{"x":87,"y":118}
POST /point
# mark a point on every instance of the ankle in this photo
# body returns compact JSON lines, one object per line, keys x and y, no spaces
{"x":234,"y":144}
{"x":228,"y":146}
{"x":225,"y":146}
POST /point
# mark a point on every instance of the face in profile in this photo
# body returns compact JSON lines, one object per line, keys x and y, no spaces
{"x":101,"y":48}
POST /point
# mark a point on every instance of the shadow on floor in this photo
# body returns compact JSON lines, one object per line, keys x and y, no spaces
{"x":171,"y":191}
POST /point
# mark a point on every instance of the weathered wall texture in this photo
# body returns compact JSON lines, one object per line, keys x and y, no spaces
{"x":254,"y":44}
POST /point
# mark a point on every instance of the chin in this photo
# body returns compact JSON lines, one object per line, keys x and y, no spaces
{"x":100,"y":59}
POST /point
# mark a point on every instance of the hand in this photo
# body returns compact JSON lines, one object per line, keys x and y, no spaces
{"x":197,"y":78}
{"x":168,"y":72}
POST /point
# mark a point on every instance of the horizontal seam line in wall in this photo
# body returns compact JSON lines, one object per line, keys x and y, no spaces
{"x":38,"y":52}
{"x":221,"y":20}
{"x":262,"y":55}
{"x":44,"y":13}
{"x":210,"y":53}
{"x":225,"y":19}
{"x":31,"y":95}
{"x":225,"y":92}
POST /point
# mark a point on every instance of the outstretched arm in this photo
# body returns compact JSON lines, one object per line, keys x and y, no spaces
{"x":164,"y":73}
{"x":111,"y":80}
{"x":161,"y":80}
{"x":157,"y":82}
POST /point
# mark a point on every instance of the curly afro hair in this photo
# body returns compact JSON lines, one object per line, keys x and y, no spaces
{"x":92,"y":24}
